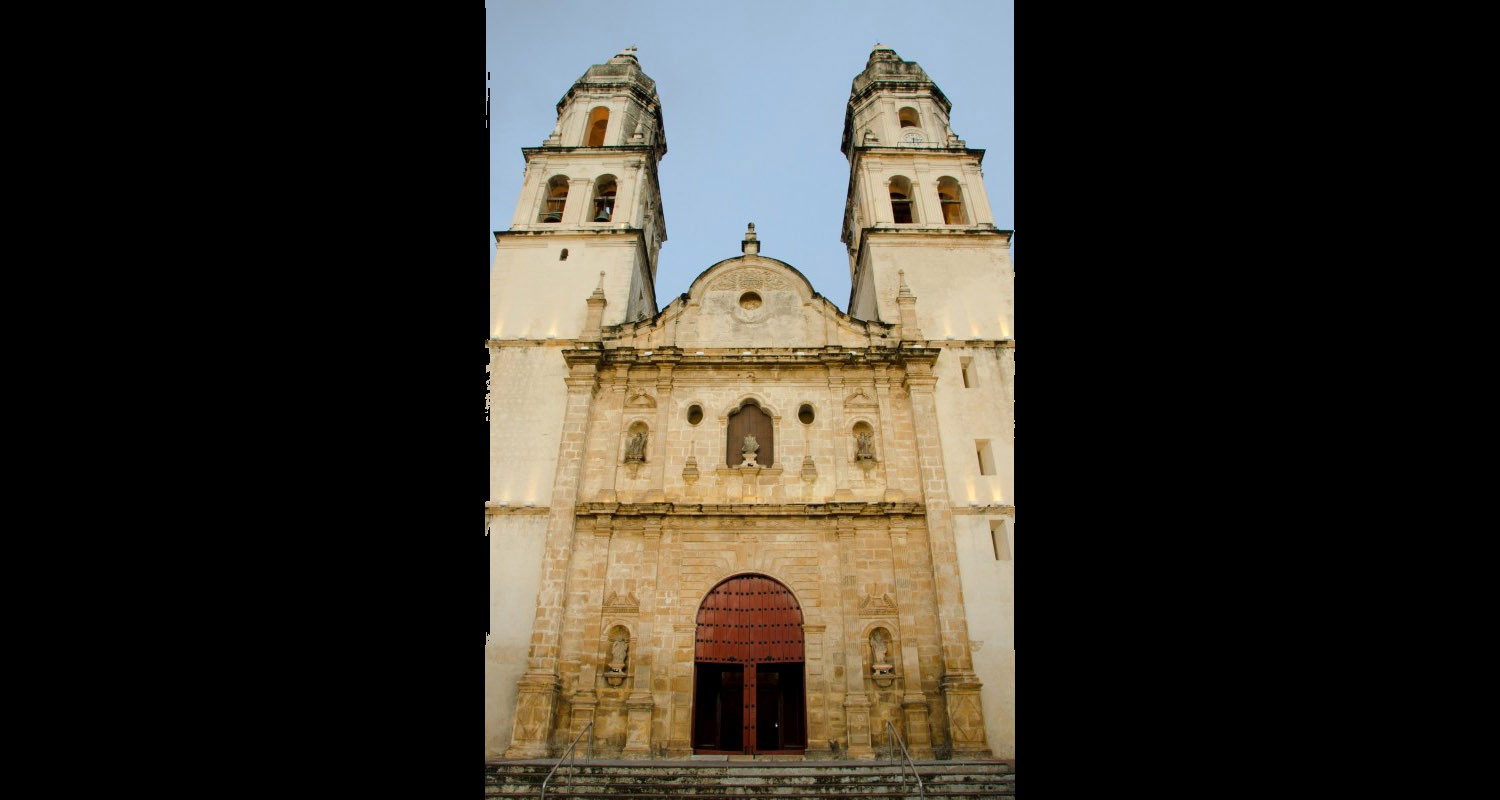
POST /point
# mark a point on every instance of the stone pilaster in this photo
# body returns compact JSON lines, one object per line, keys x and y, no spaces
{"x":536,"y":702}
{"x":679,"y":743}
{"x":959,"y":684}
{"x":606,"y":449}
{"x":660,"y":432}
{"x":638,"y":725}
{"x":888,"y":447}
{"x":578,"y":207}
{"x":648,"y":643}
{"x":540,"y":688}
{"x":856,"y":701}
{"x":918,"y":732}
{"x":819,"y":731}
{"x":913,"y":700}
{"x":837,"y":423}
{"x":857,"y":715}
{"x":584,"y":703}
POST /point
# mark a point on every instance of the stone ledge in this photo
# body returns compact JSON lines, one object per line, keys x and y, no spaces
{"x":1006,"y":510}
{"x":492,"y":509}
{"x":751,"y":509}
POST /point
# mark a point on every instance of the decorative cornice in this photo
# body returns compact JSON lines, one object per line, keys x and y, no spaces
{"x":973,"y":344}
{"x":891,"y":355}
{"x":636,"y":233}
{"x":492,"y":509}
{"x":613,"y":149}
{"x":819,"y":510}
{"x":530,"y":342}
{"x":1001,"y":509}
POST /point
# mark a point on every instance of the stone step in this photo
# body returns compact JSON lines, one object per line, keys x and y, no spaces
{"x":762,"y":778}
{"x":647,"y":780}
{"x":957,"y":794}
{"x":710,"y":787}
{"x":720,"y":768}
{"x":708,"y":791}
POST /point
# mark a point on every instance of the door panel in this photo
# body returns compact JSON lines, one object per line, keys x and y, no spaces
{"x":749,"y":693}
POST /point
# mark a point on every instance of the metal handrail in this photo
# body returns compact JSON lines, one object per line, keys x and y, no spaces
{"x":569,"y":751}
{"x":896,"y":740}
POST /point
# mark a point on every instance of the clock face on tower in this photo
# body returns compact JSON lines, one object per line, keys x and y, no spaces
{"x":912,"y":137}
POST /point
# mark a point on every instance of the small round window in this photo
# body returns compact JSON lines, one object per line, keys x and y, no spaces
{"x":749,"y":301}
{"x":695,"y":415}
{"x":805,"y":414}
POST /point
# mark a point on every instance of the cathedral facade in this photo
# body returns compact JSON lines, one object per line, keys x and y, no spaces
{"x":750,"y":522}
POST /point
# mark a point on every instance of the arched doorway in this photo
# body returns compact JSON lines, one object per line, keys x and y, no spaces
{"x":749,"y":691}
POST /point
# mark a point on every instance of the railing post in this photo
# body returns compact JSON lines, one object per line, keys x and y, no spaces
{"x":570,"y":751}
{"x":896,"y":739}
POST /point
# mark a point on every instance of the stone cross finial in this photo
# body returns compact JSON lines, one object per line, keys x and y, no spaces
{"x":750,"y":246}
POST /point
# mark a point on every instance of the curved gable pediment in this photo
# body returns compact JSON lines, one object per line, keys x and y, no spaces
{"x":750,"y":301}
{"x":746,"y":273}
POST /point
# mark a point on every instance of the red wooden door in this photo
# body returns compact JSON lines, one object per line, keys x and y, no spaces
{"x":743,"y":623}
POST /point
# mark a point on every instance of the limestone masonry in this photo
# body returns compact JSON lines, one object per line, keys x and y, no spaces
{"x":749,"y":522}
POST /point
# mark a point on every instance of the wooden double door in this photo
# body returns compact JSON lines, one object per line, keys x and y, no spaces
{"x":749,"y":687}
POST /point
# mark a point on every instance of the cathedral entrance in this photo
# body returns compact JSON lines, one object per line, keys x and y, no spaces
{"x":749,"y":690}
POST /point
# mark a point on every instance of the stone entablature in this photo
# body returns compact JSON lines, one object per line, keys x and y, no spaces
{"x":752,"y":514}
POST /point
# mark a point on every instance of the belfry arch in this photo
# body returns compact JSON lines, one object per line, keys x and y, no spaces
{"x":749,"y":687}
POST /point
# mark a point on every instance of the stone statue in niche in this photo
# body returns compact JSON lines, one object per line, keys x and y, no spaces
{"x":865,"y":445}
{"x":749,"y":450}
{"x":880,"y":649}
{"x":635,"y":449}
{"x":620,"y":649}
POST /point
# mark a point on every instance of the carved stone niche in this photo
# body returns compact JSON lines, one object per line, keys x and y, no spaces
{"x":864,"y":446}
{"x":636,"y":439}
{"x":617,"y":656}
{"x":882,"y":671}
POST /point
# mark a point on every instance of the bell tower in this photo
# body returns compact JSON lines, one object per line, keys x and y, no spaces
{"x":589,"y":203}
{"x":917,"y":203}
{"x":924,"y":253}
{"x":580,"y":253}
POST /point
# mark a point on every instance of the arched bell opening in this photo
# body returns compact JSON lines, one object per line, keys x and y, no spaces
{"x":604,"y":198}
{"x":901,"y":200}
{"x":749,"y":677}
{"x":598,"y":123}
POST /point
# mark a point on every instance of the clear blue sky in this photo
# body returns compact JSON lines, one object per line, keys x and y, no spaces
{"x":753,"y":98}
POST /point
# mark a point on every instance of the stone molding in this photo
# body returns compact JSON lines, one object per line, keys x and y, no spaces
{"x":618,"y":605}
{"x":1002,"y":509}
{"x":492,"y":509}
{"x":587,"y":511}
{"x":911,"y":353}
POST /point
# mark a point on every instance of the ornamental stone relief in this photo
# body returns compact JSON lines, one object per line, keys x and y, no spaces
{"x":749,"y":279}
